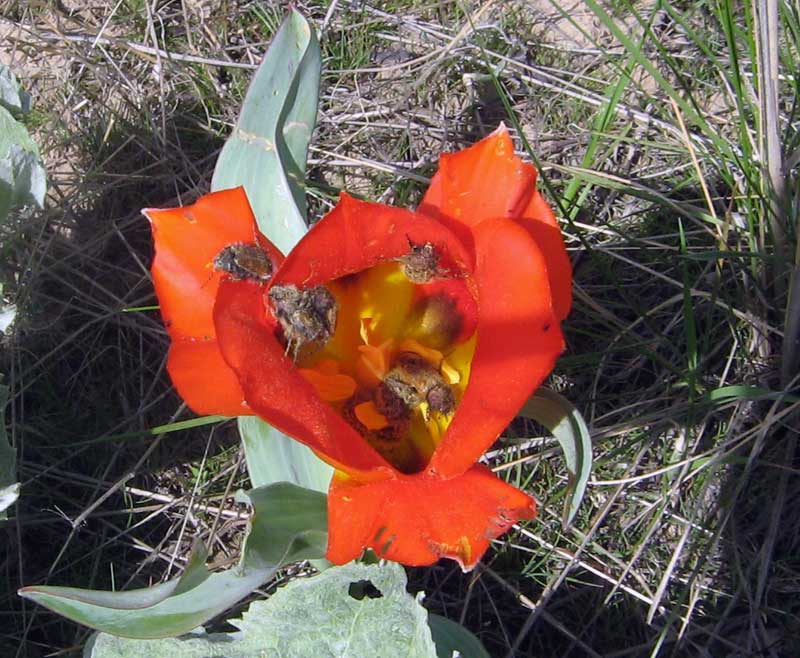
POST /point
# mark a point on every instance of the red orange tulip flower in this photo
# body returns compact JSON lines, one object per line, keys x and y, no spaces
{"x":395,"y":344}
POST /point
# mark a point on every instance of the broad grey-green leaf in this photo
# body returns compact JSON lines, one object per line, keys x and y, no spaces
{"x":267,"y":155}
{"x":268,"y":147}
{"x":357,"y":611}
{"x":12,"y":97}
{"x":22,"y":174}
{"x":289,"y":523}
{"x":558,"y":415}
{"x":274,"y":457}
{"x":452,"y":639}
{"x":9,"y":488}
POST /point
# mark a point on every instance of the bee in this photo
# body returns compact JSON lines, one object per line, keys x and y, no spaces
{"x":244,"y":261}
{"x":421,"y":264}
{"x":408,"y":384}
{"x":307,"y":317}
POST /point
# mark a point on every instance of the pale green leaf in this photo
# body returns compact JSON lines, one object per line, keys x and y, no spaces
{"x":357,"y":611}
{"x":22,"y":174}
{"x":9,"y":488}
{"x":452,"y":639}
{"x":274,"y":457}
{"x":268,"y":147}
{"x":558,"y":415}
{"x":12,"y":97}
{"x":8,"y":312}
{"x":288,"y":524}
{"x":266,"y":153}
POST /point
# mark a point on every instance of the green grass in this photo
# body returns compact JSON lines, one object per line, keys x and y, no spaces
{"x":647,"y":125}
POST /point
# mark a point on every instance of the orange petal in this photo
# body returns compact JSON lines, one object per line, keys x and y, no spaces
{"x":330,"y":387}
{"x":519,"y":339}
{"x":487,"y":180}
{"x":538,"y":218}
{"x":372,"y":366}
{"x":276,"y":391}
{"x":204,"y":380}
{"x":357,"y":235}
{"x":186,"y":242}
{"x":418,"y":519}
{"x":480,"y":182}
{"x":369,"y":416}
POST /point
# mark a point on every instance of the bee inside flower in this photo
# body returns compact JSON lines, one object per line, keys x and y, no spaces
{"x":398,"y":360}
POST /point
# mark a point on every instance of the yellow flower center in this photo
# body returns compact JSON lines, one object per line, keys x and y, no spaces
{"x":397,"y":364}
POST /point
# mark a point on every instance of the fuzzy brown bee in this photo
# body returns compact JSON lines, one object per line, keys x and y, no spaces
{"x":408,"y":384}
{"x":306,"y":316}
{"x":244,"y":261}
{"x":421,"y":264}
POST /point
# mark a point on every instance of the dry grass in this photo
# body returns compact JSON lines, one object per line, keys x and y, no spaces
{"x":687,"y":541}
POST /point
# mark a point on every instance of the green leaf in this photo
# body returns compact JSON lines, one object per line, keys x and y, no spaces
{"x":558,"y":415}
{"x":267,"y":154}
{"x":22,"y":174}
{"x":8,"y":312}
{"x":452,"y":639}
{"x":288,"y":524}
{"x":9,"y":488}
{"x":267,"y":150}
{"x":12,"y":97}
{"x":274,"y":457}
{"x":736,"y":392}
{"x":358,"y":611}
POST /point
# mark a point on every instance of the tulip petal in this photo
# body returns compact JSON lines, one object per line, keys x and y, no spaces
{"x":480,"y":182}
{"x":417,"y":520}
{"x":487,"y":180}
{"x":274,"y":388}
{"x":519,"y":340}
{"x":540,"y":221}
{"x":187,"y":240}
{"x":204,"y":380}
{"x":357,"y":235}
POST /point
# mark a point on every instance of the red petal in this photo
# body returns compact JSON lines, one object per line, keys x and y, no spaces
{"x":187,"y":240}
{"x":276,"y":391}
{"x":418,"y":519}
{"x":487,"y":180}
{"x":540,"y":221}
{"x":519,"y":340}
{"x":480,"y":182}
{"x":204,"y":380}
{"x":357,"y":235}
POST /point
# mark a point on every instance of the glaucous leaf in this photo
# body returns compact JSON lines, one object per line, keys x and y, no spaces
{"x":274,"y":457}
{"x":358,"y":611}
{"x":558,"y":415}
{"x":268,"y":147}
{"x":12,"y":96}
{"x":266,"y":153}
{"x":9,"y":488}
{"x":289,"y":523}
{"x":22,"y":174}
{"x":452,"y":639}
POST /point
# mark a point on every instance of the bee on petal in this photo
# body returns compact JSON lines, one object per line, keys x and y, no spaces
{"x":421,"y":264}
{"x":244,"y":261}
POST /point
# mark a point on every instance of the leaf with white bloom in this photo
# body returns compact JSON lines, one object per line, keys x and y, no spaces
{"x":358,"y":611}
